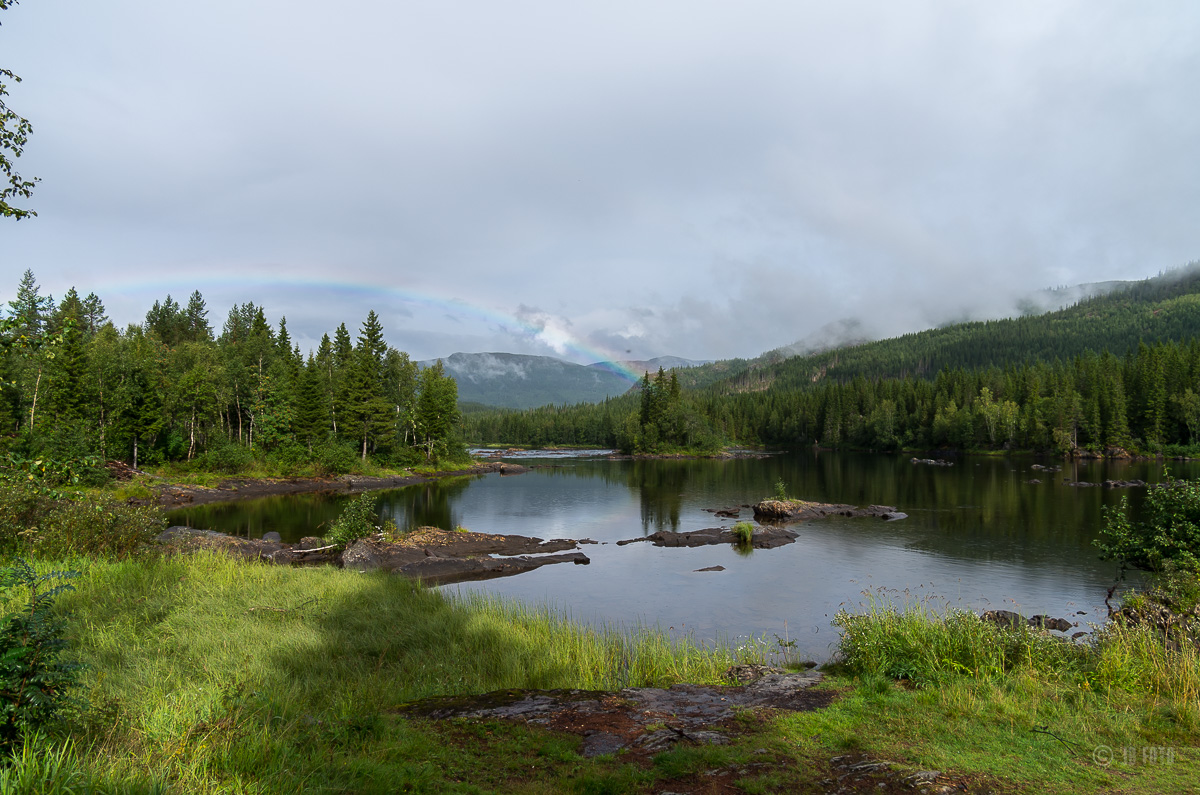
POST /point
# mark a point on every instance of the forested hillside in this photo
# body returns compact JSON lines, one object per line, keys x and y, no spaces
{"x":1165,"y":308}
{"x":511,"y":380}
{"x":172,"y":388}
{"x":1116,"y":371}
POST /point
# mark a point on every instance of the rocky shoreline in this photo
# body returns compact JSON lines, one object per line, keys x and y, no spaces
{"x":238,"y":489}
{"x":431,"y":555}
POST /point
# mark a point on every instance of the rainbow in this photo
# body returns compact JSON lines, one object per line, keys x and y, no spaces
{"x":370,"y":294}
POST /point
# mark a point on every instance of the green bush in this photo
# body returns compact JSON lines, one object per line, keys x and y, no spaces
{"x":1168,"y":536}
{"x":357,"y":520}
{"x":104,"y":528}
{"x":290,"y":460}
{"x":34,"y":522}
{"x":33,"y":679}
{"x":333,"y":458}
{"x":227,"y":458}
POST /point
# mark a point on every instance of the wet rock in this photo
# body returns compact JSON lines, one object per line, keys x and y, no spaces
{"x":434,"y":556}
{"x":730,"y":513}
{"x":668,"y":738}
{"x":443,"y":571}
{"x":1123,"y":484}
{"x":1040,"y":468}
{"x":363,"y":556}
{"x":746,"y":673}
{"x":1009,"y":620}
{"x":601,"y":743}
{"x":272,"y":536}
{"x":645,"y":718}
{"x":1048,"y":622}
{"x":712,"y":568}
{"x":938,"y":462}
{"x":763,"y":538}
{"x":1081,"y":484}
{"x":799,"y":510}
{"x":1033,"y":481}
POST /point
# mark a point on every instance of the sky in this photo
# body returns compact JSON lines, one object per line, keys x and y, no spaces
{"x":600,"y":180}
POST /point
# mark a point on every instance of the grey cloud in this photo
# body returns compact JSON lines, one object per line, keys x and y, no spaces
{"x":669,"y":179}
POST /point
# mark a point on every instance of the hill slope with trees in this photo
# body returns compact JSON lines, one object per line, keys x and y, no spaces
{"x":1114,"y":372}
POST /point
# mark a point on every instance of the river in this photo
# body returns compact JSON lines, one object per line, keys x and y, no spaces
{"x":978,"y":536}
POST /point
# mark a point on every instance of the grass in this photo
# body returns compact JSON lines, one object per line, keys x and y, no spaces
{"x":212,"y":676}
{"x":216,"y":676}
{"x":1014,"y":705}
{"x":744,"y":533}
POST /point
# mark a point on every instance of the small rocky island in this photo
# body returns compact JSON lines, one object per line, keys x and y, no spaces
{"x":772,"y":515}
{"x":429,"y":554}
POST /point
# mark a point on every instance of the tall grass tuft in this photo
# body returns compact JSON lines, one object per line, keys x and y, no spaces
{"x":914,"y":641}
{"x":917,"y":642}
{"x":743,"y":532}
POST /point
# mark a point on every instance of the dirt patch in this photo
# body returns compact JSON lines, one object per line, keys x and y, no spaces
{"x":646,"y":720}
{"x":237,"y":489}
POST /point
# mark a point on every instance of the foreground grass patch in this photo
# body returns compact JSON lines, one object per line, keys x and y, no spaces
{"x":214,"y":675}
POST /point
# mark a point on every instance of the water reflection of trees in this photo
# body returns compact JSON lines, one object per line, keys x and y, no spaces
{"x":660,"y":489}
{"x":292,"y":516}
{"x":425,"y":505}
{"x":973,"y":510}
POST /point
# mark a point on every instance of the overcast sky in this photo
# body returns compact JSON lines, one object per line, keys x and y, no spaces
{"x":628,"y":179}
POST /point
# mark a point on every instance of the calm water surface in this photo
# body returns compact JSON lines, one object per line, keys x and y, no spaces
{"x":978,"y":536}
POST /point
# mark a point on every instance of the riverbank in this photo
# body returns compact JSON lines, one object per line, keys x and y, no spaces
{"x":315,"y":694}
{"x":174,"y":491}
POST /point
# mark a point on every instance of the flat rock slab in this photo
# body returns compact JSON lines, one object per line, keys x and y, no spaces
{"x":614,"y":721}
{"x":800,"y":510}
{"x":436,"y":557}
{"x":443,"y":571}
{"x":763,"y":538}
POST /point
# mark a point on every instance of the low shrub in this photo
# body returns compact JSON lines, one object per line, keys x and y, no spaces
{"x":34,"y":680}
{"x":290,"y":460}
{"x":228,"y":459}
{"x":1169,"y":535}
{"x":34,"y":522}
{"x":333,"y":458}
{"x":357,"y":520}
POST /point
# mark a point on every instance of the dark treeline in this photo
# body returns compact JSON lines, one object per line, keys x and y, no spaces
{"x":1148,"y":400}
{"x":656,"y":416}
{"x":175,"y":389}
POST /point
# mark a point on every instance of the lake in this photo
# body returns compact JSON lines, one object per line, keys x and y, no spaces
{"x":978,"y":536}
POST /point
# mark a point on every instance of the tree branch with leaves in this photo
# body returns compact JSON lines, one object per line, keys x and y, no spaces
{"x":14,"y":134}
